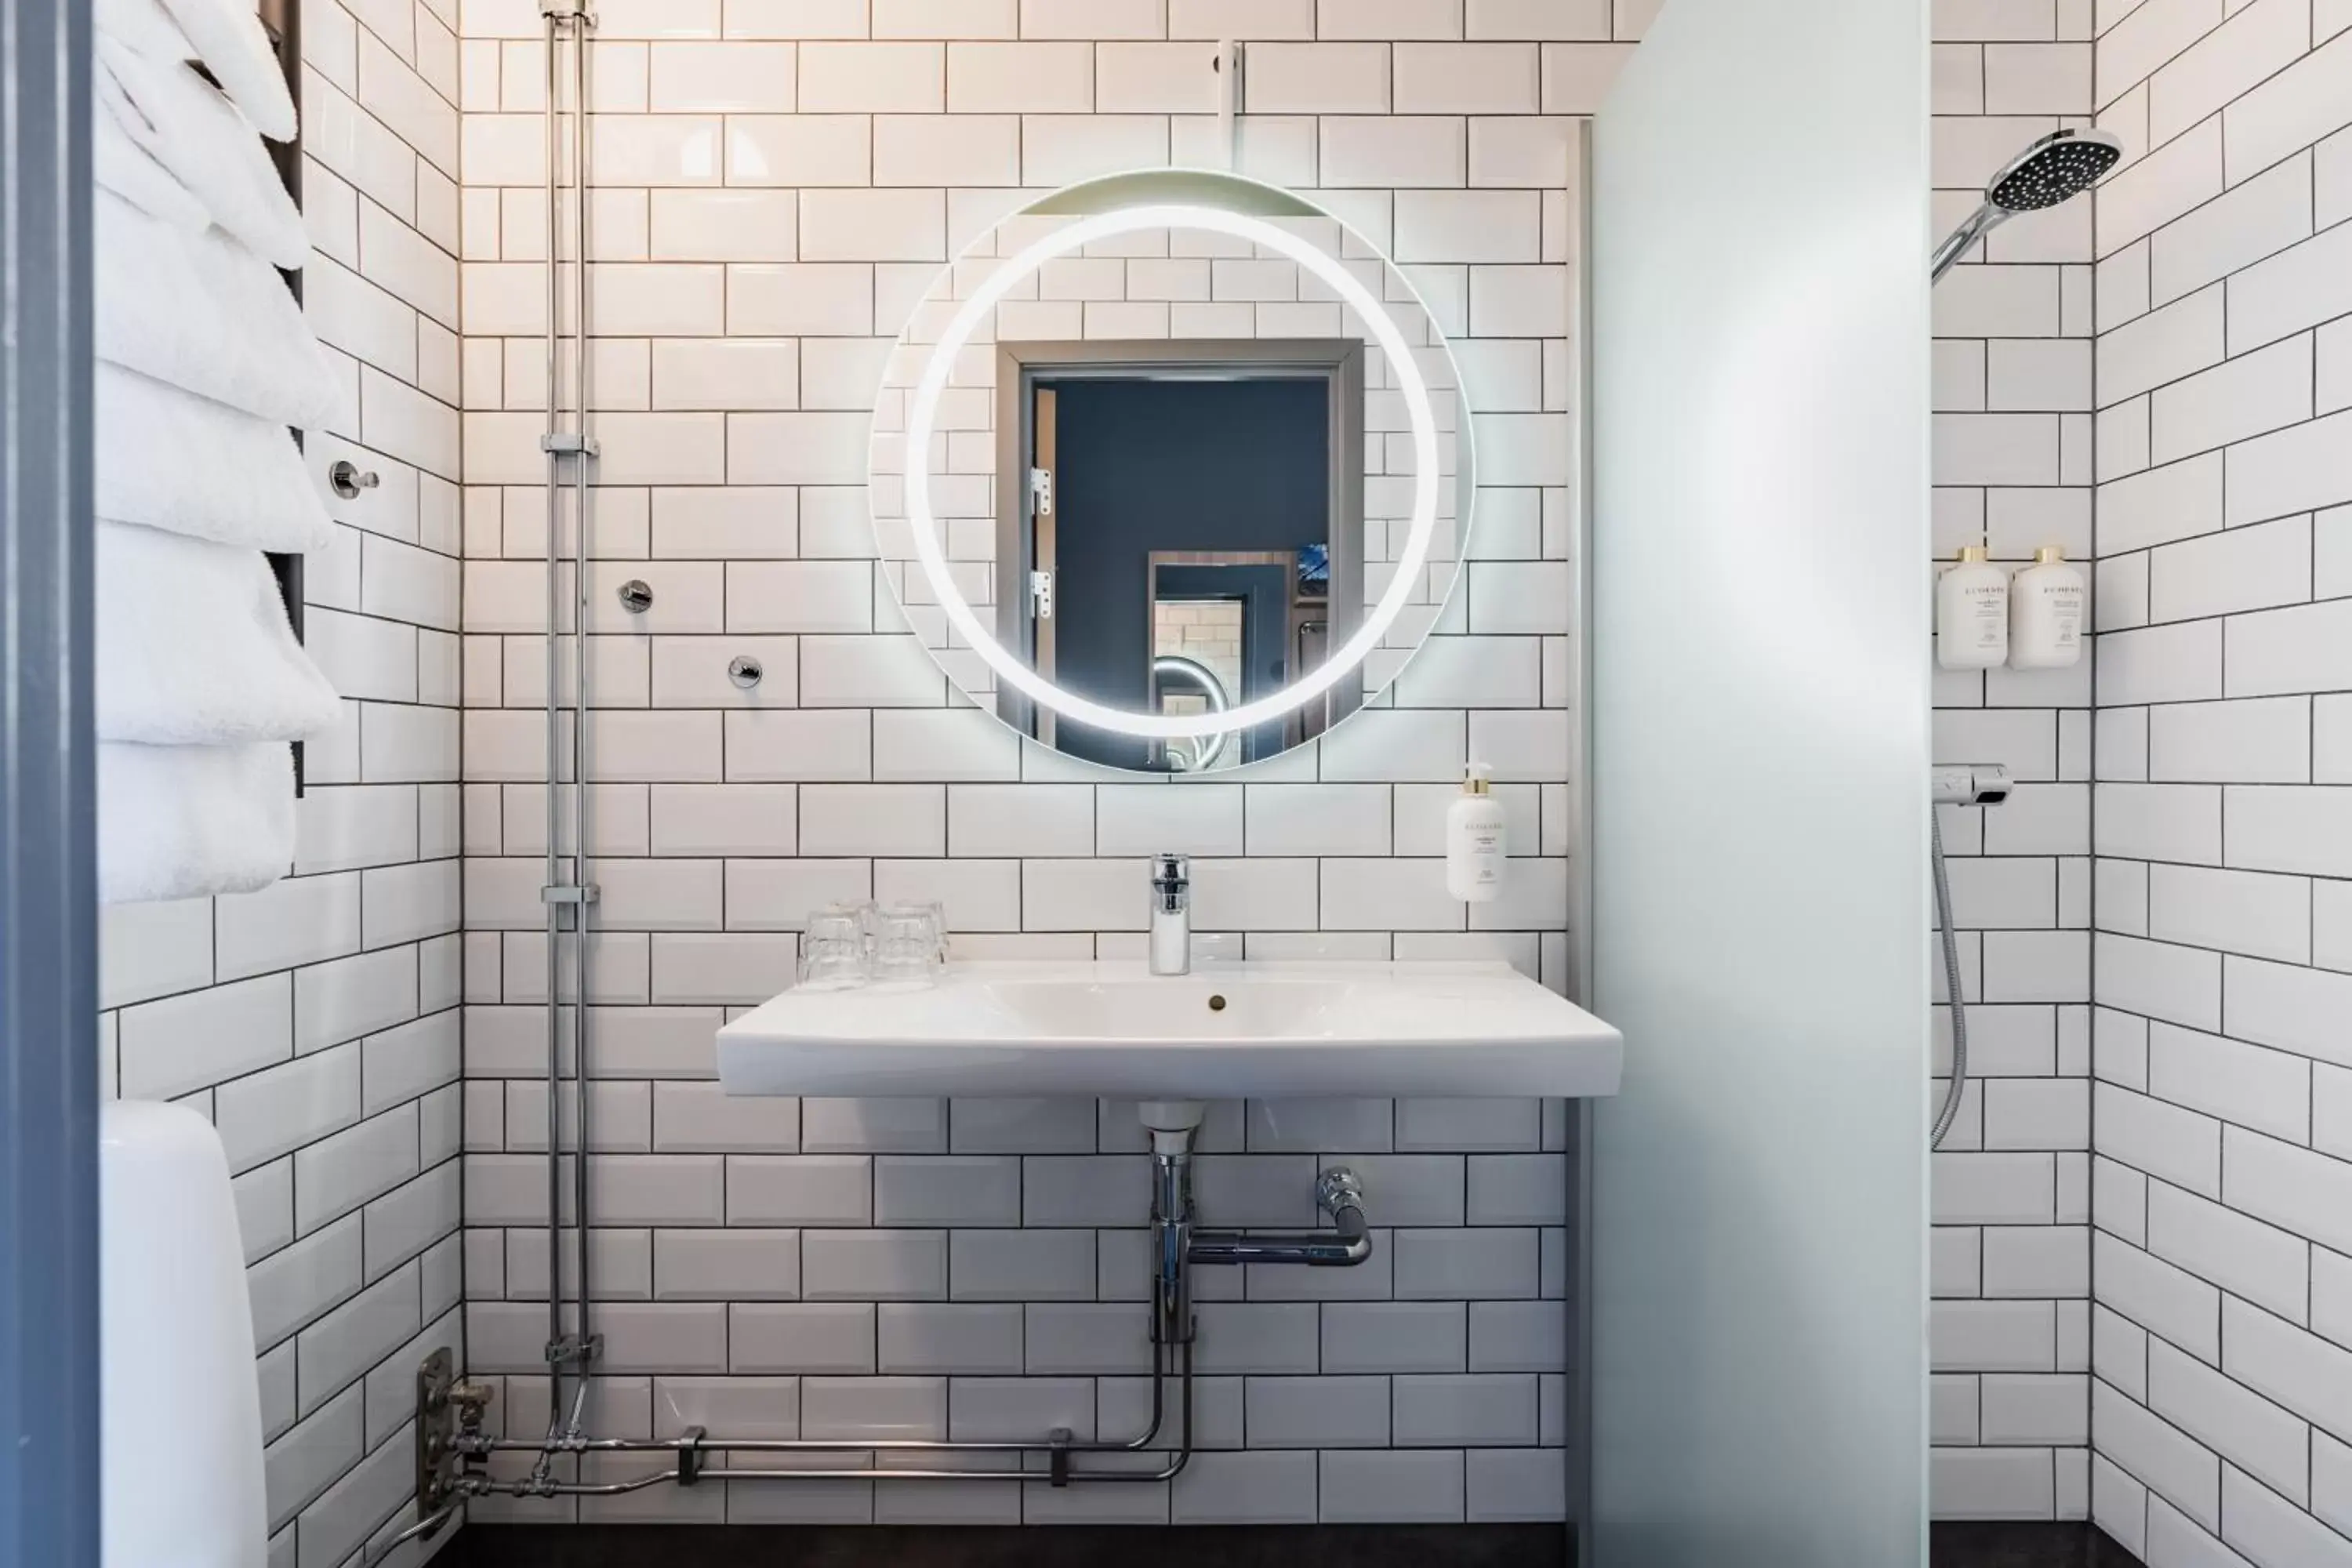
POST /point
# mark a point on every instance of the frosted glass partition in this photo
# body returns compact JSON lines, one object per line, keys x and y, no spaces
{"x":1759,"y":711}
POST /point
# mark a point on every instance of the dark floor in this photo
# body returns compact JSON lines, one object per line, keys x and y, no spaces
{"x":1054,"y":1546}
{"x":2006,"y":1545}
{"x":1953,"y":1545}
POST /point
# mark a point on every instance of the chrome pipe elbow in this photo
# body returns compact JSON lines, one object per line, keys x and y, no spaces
{"x":1347,"y":1243}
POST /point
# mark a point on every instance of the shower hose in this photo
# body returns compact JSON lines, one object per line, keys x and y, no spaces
{"x":1951,"y":982}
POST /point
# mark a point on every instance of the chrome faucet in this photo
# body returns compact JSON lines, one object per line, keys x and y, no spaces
{"x":1171,"y":914}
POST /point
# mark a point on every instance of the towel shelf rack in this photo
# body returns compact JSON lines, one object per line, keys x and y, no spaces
{"x":282,"y":20}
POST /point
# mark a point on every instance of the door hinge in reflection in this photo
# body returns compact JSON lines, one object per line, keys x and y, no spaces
{"x":1041,"y":492}
{"x":1041,"y":594}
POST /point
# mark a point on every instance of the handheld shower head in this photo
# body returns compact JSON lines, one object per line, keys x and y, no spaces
{"x":2055,"y":169}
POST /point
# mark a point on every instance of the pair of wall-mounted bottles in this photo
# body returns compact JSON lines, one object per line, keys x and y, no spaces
{"x":1984,"y":616}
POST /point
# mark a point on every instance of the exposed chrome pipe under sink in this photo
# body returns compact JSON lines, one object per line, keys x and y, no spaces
{"x":457,"y":1463}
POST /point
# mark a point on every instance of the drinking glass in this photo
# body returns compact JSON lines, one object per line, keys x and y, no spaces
{"x":909,"y":948}
{"x":931,"y":910}
{"x":865,"y":912}
{"x":833,"y":953}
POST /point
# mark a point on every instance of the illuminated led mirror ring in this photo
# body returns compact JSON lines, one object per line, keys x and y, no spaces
{"x":924,"y":408}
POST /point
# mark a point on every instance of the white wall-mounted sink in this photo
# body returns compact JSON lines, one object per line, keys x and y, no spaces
{"x":1227,"y":1031}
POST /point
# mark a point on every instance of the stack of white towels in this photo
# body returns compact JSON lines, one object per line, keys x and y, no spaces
{"x":203,"y":364}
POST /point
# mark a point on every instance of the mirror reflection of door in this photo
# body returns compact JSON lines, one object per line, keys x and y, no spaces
{"x":1191,"y":512}
{"x":1221,"y":636}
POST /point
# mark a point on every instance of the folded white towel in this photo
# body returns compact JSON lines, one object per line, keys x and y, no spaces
{"x":204,"y":313}
{"x":171,"y":459}
{"x":122,"y":166}
{"x":175,"y":822}
{"x":226,"y":35}
{"x":145,"y":26}
{"x":193,"y":647}
{"x":189,"y":128}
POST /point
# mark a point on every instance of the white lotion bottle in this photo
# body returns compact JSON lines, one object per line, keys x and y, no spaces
{"x":1973,"y":613}
{"x":1475,"y":844}
{"x":2045,"y":613}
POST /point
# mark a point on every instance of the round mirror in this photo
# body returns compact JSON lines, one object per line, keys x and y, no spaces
{"x":1172,"y":470}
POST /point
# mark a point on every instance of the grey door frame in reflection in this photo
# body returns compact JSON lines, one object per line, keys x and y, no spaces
{"x":1338,"y":362}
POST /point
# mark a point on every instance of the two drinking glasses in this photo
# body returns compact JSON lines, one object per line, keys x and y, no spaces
{"x":847,"y":945}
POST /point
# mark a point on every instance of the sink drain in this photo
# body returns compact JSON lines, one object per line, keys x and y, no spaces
{"x":1216,"y":1004}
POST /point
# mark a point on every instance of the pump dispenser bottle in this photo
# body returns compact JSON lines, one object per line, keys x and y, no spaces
{"x":1973,"y":613}
{"x":1475,"y":839}
{"x":2045,"y":613}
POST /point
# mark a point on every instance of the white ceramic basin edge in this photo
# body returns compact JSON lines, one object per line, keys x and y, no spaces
{"x":1226,"y":1031}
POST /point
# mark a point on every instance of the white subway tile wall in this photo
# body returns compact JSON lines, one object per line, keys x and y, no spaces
{"x":2221,"y":1352}
{"x":776,"y":184}
{"x":2009,"y":1318}
{"x":775,"y":188}
{"x":317,"y":1023}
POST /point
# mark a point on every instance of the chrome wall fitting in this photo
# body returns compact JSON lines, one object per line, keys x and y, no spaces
{"x":436,"y":1427}
{"x":744,"y":670}
{"x":347,"y":478}
{"x":635,"y":596}
{"x":449,"y":1420}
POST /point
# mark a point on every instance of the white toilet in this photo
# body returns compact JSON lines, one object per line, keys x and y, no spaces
{"x":180,"y":1413}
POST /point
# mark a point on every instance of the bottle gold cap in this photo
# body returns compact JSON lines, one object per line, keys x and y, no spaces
{"x":1970,"y":554}
{"x":2049,"y":554}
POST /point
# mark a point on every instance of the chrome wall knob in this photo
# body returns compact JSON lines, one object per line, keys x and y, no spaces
{"x":347,"y":478}
{"x":744,"y":671}
{"x":635,"y":596}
